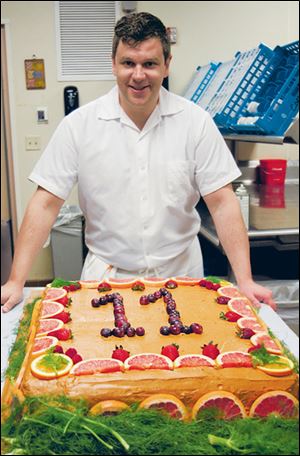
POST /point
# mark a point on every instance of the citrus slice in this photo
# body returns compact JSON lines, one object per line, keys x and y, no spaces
{"x":121,"y":283}
{"x":225,"y":283}
{"x":97,"y":366}
{"x":154,"y":281}
{"x":51,"y":308}
{"x":145,"y":361}
{"x":251,"y":323}
{"x":89,"y":283}
{"x":278,"y":403}
{"x":108,"y":407}
{"x":53,"y":294}
{"x":221,"y":404}
{"x":262,"y":338}
{"x":229,"y":292}
{"x":187,"y":280}
{"x":48,"y":325}
{"x":42,"y":344}
{"x":60,"y":365}
{"x":241,"y":306}
{"x":167,"y":403}
{"x":281,"y":367}
{"x":234,"y":359}
{"x":193,"y":361}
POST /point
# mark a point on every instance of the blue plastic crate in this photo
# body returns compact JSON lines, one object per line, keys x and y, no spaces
{"x":215,"y":83}
{"x":200,"y":81}
{"x":274,"y":102}
{"x":247,"y":70}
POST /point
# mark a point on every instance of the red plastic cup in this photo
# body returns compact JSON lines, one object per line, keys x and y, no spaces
{"x":272,"y":196}
{"x":272,"y":171}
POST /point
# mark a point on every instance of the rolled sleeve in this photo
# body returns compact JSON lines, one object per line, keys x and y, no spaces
{"x":216,"y":166}
{"x":57,"y":168}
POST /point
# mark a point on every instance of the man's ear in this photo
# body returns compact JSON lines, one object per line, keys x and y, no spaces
{"x":113,"y":62}
{"x":167,"y":65}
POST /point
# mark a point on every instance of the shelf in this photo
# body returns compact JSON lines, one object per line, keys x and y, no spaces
{"x":255,"y":138}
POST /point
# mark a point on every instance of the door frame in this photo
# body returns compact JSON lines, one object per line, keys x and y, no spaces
{"x":10,"y":136}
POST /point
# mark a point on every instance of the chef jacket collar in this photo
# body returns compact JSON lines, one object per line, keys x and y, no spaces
{"x":110,"y":108}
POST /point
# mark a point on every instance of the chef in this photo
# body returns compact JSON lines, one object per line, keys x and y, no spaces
{"x":142,"y":158}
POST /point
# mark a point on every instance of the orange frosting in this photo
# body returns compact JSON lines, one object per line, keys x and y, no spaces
{"x":195,"y":304}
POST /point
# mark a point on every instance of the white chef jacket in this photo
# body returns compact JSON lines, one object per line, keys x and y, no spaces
{"x":138,"y":189}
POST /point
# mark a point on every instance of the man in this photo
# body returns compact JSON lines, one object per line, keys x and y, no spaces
{"x":142,"y":158}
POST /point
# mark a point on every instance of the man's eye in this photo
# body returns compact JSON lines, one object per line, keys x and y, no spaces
{"x":149,"y":64}
{"x":128,"y":63}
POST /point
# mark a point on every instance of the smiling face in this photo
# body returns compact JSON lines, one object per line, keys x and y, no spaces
{"x":140,"y":70}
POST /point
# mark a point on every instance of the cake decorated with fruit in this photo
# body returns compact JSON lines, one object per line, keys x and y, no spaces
{"x":180,"y":344}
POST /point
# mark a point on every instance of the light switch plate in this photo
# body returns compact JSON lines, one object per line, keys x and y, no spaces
{"x":33,"y":142}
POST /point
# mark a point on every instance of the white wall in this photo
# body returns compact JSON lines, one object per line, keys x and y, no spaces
{"x":206,"y":31}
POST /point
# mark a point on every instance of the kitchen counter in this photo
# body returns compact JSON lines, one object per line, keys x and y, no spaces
{"x":273,"y":216}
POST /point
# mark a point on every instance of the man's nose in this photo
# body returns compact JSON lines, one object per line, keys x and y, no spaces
{"x":138,"y":73}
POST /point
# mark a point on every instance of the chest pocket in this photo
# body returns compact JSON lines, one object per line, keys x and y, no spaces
{"x":180,"y":178}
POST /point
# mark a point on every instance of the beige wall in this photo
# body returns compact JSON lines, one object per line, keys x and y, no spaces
{"x":206,"y":31}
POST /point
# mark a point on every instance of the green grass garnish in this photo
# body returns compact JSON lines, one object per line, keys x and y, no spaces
{"x":58,"y":283}
{"x":18,"y":350}
{"x":63,"y":426}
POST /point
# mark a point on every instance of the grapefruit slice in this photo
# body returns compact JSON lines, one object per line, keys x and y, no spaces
{"x":108,"y":407}
{"x":51,"y":308}
{"x":42,"y":344}
{"x":154,"y":281}
{"x":121,"y":283}
{"x":193,"y":361}
{"x":166,"y":403}
{"x":222,"y":404}
{"x":187,"y":280}
{"x":234,"y":359}
{"x":278,"y":403}
{"x":229,"y":292}
{"x":89,"y":283}
{"x":97,"y":366}
{"x":43,"y":368}
{"x":279,"y":368}
{"x":262,"y":338}
{"x":145,"y":361}
{"x":48,"y":325}
{"x":241,"y":306}
{"x":53,"y":294}
{"x":251,"y":323}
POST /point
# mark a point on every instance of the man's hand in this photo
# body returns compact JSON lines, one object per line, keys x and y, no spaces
{"x":11,"y":295}
{"x":257,"y":294}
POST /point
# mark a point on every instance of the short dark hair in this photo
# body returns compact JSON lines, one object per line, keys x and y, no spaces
{"x":137,"y":27}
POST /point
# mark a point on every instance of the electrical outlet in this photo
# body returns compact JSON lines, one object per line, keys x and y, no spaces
{"x":33,"y":142}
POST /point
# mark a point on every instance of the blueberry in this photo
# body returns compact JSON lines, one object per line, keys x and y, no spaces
{"x":95,"y":302}
{"x":164,"y":330}
{"x":140,"y":331}
{"x":105,"y":332}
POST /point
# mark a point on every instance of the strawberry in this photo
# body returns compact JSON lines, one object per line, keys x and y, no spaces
{"x":61,"y":334}
{"x":230,"y":316}
{"x":58,"y":349}
{"x":63,"y":316}
{"x":171,"y":284}
{"x":245,"y":333}
{"x":211,"y":350}
{"x":171,"y":351}
{"x":120,"y":354}
{"x":254,"y":348}
{"x":66,"y":301}
{"x":103,"y":286}
{"x":138,"y":286}
{"x":76,"y":358}
{"x":71,"y":352}
{"x":222,"y":299}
